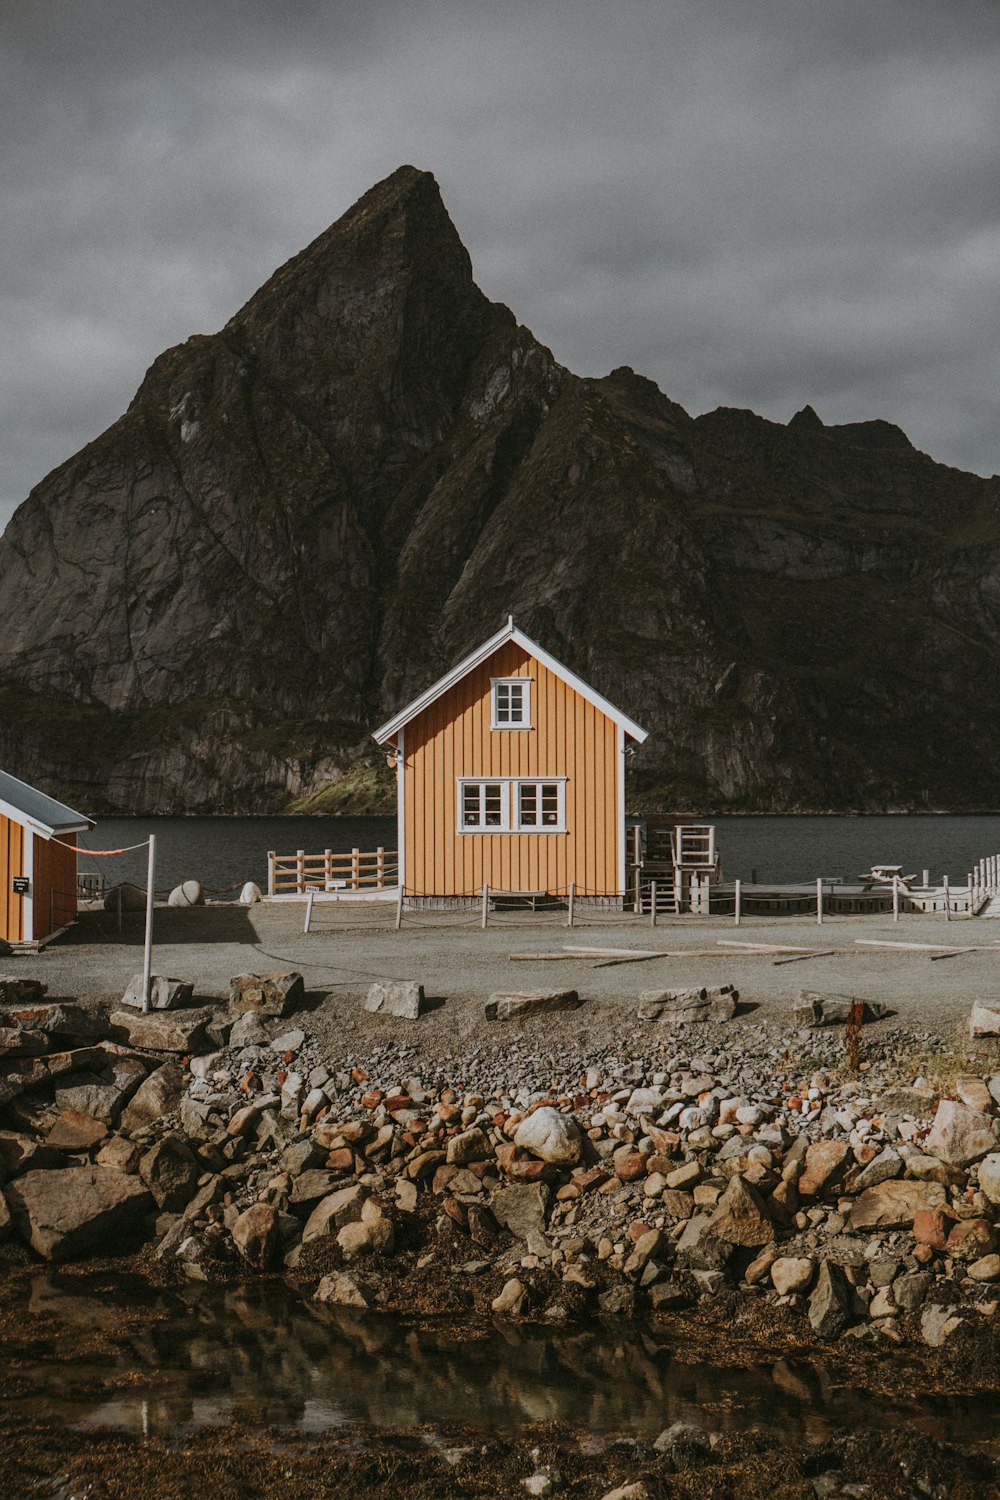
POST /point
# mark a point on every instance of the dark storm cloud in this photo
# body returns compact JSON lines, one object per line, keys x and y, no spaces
{"x":757,"y":205}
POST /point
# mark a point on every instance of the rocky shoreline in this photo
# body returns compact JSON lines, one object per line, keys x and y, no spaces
{"x":716,"y":1172}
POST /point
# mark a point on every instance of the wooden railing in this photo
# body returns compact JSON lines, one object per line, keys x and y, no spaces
{"x":299,"y":873}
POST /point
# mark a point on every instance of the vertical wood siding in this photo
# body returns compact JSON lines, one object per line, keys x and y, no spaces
{"x":453,"y":738}
{"x":54,"y":885}
{"x":11,"y":863}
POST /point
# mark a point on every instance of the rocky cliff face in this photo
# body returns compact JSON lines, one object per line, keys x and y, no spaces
{"x":302,"y":519}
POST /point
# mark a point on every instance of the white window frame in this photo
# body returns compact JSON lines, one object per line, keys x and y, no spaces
{"x":510,"y":804}
{"x":522,"y":682}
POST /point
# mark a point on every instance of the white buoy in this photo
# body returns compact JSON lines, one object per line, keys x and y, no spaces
{"x":249,"y":894}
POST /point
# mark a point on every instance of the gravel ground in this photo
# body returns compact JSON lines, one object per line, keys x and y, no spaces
{"x":350,"y":946}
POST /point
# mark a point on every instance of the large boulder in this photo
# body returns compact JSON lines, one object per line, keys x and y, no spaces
{"x":16,"y":992}
{"x":984,"y":1018}
{"x":530,"y":1003}
{"x":697,"y":1005}
{"x":893,"y":1204}
{"x":158,"y":1096}
{"x":164,"y":994}
{"x":21,"y":1153}
{"x":102,"y":1092}
{"x":741,"y":1216}
{"x":551,"y":1136}
{"x":989,"y":1176}
{"x":521,"y":1209}
{"x":813,"y":1008}
{"x":77,"y":1211}
{"x":961,"y":1135}
{"x":73,"y":1131}
{"x":257,"y":1235}
{"x":170,"y":1170}
{"x":271,"y":994}
{"x":403,"y":998}
{"x":333,"y":1212}
{"x":831,"y":1304}
{"x":166,"y":1031}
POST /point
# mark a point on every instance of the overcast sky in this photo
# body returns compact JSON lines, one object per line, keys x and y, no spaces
{"x":757,"y":204}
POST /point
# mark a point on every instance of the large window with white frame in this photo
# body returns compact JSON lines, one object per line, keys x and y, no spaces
{"x":512,"y":805}
{"x":511,"y":699}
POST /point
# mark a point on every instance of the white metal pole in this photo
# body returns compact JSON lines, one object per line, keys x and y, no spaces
{"x":147,"y":956}
{"x":399,"y":907}
{"x":895,"y":898}
{"x":572,"y":902}
{"x":947,"y":899}
{"x":309,"y":909}
{"x":737,"y":911}
{"x":486,"y":904}
{"x":819,"y":900}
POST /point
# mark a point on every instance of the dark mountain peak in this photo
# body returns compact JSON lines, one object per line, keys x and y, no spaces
{"x":874,"y":434}
{"x":399,"y":232}
{"x":807,"y":420}
{"x":307,"y":516}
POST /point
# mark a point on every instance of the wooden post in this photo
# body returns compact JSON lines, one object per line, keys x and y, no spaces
{"x":399,"y":908}
{"x":147,"y":950}
{"x":380,"y":867}
{"x":819,"y":901}
{"x":737,"y":895}
{"x":895,"y":898}
{"x":947,"y":899}
{"x":310,"y":898}
{"x":270,"y":872}
{"x":706,"y":896}
{"x":652,"y":903}
{"x":925,"y":878}
{"x":486,"y":905}
{"x":300,"y":871}
{"x":355,"y":868}
{"x":572,"y":900}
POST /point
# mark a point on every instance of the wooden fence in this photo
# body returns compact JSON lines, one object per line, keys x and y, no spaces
{"x":357,"y":870}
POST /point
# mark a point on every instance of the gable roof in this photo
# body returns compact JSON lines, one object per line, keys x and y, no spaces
{"x":35,"y":810}
{"x":509,"y":632}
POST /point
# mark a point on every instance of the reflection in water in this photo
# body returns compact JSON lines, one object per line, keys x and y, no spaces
{"x":263,"y":1356}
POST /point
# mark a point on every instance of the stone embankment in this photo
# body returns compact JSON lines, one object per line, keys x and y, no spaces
{"x":700,"y":1161}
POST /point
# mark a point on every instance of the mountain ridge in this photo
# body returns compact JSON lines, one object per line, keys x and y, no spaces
{"x":304,"y":518}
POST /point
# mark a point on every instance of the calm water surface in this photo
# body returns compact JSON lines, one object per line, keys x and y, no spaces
{"x":264,"y":1356}
{"x":222,"y":852}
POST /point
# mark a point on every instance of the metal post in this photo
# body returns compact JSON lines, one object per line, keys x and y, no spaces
{"x":572,"y":900}
{"x":486,"y":904}
{"x":819,"y":901}
{"x":270,"y":872}
{"x":895,"y":898}
{"x":652,"y":903}
{"x":399,"y":907}
{"x":737,"y":909}
{"x":947,"y":899}
{"x":310,"y":898}
{"x":147,"y":953}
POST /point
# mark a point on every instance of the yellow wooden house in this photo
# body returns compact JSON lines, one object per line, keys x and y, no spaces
{"x":511,"y":774}
{"x":37,"y":868}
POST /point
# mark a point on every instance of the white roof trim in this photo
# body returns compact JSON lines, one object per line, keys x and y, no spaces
{"x":476,"y":658}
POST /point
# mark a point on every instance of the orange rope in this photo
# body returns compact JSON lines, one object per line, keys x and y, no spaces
{"x":99,"y":853}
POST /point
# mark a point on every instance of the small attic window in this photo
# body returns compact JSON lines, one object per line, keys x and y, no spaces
{"x":511,"y":703}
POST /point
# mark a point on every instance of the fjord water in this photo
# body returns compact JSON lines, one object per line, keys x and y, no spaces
{"x":225,"y":852}
{"x":265,"y":1356}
